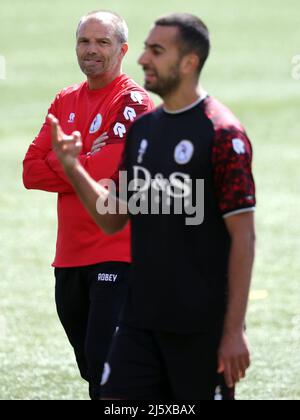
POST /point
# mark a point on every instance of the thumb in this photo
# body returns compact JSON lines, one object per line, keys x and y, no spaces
{"x":77,"y":140}
{"x":52,"y":119}
{"x":77,"y":136}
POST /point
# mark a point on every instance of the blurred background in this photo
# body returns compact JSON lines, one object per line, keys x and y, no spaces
{"x":252,"y":69}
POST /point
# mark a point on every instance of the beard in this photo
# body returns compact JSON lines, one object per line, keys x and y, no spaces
{"x":164,"y":85}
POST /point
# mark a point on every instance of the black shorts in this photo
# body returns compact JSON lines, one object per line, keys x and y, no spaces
{"x":89,"y":301}
{"x":147,"y":365}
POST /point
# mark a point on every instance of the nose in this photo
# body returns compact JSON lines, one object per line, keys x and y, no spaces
{"x":91,"y":47}
{"x":143,"y":59}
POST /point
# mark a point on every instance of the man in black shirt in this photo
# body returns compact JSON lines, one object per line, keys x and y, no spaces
{"x":191,"y":200}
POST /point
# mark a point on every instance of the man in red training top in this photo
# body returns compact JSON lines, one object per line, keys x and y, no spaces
{"x":91,"y":268}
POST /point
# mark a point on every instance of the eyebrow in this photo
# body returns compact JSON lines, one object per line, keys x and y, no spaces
{"x":155,"y":46}
{"x":83,"y":38}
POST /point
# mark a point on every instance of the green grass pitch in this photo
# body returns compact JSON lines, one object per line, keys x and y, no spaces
{"x":250,"y":70}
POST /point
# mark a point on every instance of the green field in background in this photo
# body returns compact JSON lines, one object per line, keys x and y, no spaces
{"x":250,"y":70}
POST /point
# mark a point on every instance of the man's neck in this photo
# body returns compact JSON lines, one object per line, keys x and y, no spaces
{"x":182,"y":98}
{"x":103,"y":80}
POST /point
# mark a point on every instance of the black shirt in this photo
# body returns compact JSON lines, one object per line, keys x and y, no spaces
{"x":180,"y":261}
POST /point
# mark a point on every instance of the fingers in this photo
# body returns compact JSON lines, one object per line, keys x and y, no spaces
{"x":224,"y":366}
{"x":97,"y":148}
{"x":99,"y":143}
{"x":228,"y":375}
{"x":221,"y":366}
{"x":104,"y":136}
{"x":59,"y":138}
{"x":234,"y":369}
{"x":77,"y":140}
{"x":233,"y":357}
{"x":52,"y":119}
{"x":244,"y":364}
{"x":54,"y":129}
{"x":62,"y":142}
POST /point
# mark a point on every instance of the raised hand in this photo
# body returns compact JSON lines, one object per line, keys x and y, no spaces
{"x":67,"y":148}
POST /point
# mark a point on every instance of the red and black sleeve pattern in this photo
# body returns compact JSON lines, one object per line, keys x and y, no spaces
{"x":232,"y":166}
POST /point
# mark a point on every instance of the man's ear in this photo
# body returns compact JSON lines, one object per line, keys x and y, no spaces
{"x":189,"y":63}
{"x":124,"y":49}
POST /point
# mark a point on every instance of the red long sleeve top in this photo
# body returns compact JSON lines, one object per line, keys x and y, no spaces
{"x":112,"y":109}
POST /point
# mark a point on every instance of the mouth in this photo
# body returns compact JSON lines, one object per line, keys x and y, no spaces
{"x":92,"y":61}
{"x":150,"y":75}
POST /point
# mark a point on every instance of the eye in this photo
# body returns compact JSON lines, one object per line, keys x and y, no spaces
{"x":156,"y":52}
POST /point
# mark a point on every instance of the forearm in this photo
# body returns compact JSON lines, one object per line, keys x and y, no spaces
{"x":101,"y":165}
{"x":240,"y":271}
{"x":38,"y":176}
{"x":94,"y":195}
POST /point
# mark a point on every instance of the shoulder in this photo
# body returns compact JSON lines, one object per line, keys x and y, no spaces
{"x":133,"y":92}
{"x":220,"y":115}
{"x":70,"y":91}
{"x":227,"y":127}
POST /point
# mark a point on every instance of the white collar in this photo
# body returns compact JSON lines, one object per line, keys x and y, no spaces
{"x":187,"y":108}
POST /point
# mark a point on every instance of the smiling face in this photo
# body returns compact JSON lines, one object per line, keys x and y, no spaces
{"x":161,"y":61}
{"x":99,"y":50}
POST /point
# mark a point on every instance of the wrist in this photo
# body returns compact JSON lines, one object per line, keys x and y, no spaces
{"x":70,"y":165}
{"x":233,"y":327}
